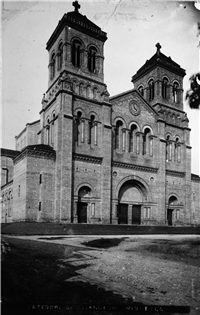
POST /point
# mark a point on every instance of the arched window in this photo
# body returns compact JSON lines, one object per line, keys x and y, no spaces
{"x":141,"y":90}
{"x":48,"y":131}
{"x":175,"y":92}
{"x":168,"y":149}
{"x":81,"y":89}
{"x":164,"y":88}
{"x":77,"y":126}
{"x":79,"y":137}
{"x":60,"y":56}
{"x":91,"y":129}
{"x":53,"y":65}
{"x":95,"y":93}
{"x":118,"y":134}
{"x":132,"y":146}
{"x":146,"y":141}
{"x":92,"y":59}
{"x":88,"y":91}
{"x":177,"y":150}
{"x":151,"y":89}
{"x":76,"y":53}
{"x":52,"y":129}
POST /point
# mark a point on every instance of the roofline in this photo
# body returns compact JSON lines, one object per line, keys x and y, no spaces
{"x":77,"y":24}
{"x":28,"y":124}
{"x":137,"y":76}
{"x":9,"y":153}
{"x":121,"y":94}
{"x":143,"y":99}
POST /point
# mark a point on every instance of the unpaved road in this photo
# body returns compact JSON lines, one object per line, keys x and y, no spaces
{"x":162,"y":270}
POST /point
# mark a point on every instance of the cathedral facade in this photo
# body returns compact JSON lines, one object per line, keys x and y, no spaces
{"x":92,"y":158}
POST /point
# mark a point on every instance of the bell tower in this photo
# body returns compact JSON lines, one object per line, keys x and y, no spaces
{"x":75,"y":117}
{"x":160,"y":80}
{"x":76,"y":47}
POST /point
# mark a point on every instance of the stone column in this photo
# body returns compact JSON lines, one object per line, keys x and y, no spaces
{"x":141,"y":142}
{"x":129,"y":214}
{"x":75,"y":216}
{"x":127,"y":140}
{"x":114,"y":213}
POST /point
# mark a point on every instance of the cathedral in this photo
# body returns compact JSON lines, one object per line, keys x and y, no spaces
{"x":100,"y":159}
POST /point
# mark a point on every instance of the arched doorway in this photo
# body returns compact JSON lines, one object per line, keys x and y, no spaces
{"x":172,"y":203}
{"x":82,"y":206}
{"x":130,"y":200}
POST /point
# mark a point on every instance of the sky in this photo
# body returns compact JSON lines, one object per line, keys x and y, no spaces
{"x":133,"y":28}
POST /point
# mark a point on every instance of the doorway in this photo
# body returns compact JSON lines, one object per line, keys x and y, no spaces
{"x":169,"y":216}
{"x":123,"y":214}
{"x":136,"y":214}
{"x":82,"y":212}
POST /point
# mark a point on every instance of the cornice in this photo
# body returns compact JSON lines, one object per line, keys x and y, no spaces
{"x":174,"y":125}
{"x":79,"y":22}
{"x":87,"y":158}
{"x":68,"y":116}
{"x":7,"y":185}
{"x":36,"y":152}
{"x":175,"y":173}
{"x":159,"y":61}
{"x":83,"y":77}
{"x":9,"y":153}
{"x":170,"y":107}
{"x":135,"y":167}
{"x":195,"y":178}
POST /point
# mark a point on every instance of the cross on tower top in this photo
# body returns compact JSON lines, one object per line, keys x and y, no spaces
{"x":158,"y":47}
{"x":76,"y":6}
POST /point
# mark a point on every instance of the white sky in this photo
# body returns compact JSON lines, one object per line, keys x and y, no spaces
{"x":133,"y":28}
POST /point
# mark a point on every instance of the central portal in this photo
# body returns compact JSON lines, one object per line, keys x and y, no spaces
{"x":130,"y":200}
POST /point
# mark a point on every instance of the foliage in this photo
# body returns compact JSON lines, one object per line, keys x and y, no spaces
{"x":193,"y":94}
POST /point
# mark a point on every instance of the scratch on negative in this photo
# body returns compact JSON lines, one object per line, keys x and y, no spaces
{"x":115,"y":9}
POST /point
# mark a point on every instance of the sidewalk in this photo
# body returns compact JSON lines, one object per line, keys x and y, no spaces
{"x":33,"y":228}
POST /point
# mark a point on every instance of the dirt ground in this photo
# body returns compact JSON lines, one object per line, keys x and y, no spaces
{"x":123,"y":270}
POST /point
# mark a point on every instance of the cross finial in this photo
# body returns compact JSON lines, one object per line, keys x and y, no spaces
{"x":76,"y":5}
{"x":158,"y":47}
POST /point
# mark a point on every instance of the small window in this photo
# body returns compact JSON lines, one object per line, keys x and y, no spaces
{"x":147,"y":212}
{"x":175,"y":92}
{"x":141,"y":90}
{"x":53,"y":65}
{"x":132,"y":138}
{"x":118,"y":134}
{"x":92,"y":59}
{"x":76,"y":53}
{"x":151,"y":89}
{"x":40,"y":180}
{"x":48,"y":133}
{"x":79,"y":128}
{"x":168,"y":149}
{"x":40,"y":205}
{"x":177,"y":215}
{"x":19,"y":191}
{"x":60,"y":56}
{"x":164,"y":88}
{"x":146,"y":141}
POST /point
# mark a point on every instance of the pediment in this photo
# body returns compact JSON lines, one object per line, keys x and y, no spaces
{"x":132,"y":103}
